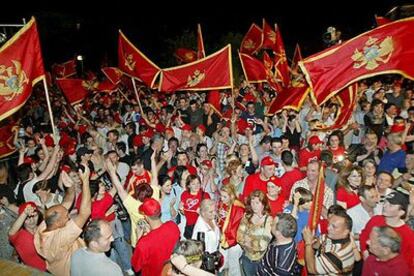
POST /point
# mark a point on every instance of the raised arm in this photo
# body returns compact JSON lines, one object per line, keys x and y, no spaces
{"x":46,"y":174}
{"x":85,"y":206}
{"x":28,"y":211}
{"x":154,"y":171}
{"x":110,"y":168}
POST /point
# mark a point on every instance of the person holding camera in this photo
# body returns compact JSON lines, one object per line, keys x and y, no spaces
{"x":155,"y":247}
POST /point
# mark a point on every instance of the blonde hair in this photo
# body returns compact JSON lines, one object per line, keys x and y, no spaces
{"x":231,"y":191}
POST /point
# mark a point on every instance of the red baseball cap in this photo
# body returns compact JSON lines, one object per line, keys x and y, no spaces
{"x":267,"y":161}
{"x":397,"y":128}
{"x":150,"y":207}
{"x":170,"y":129}
{"x":315,"y":140}
{"x":24,"y":205}
{"x":186,"y":127}
{"x":202,"y":128}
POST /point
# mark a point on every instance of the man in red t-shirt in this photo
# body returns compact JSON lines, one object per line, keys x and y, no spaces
{"x":291,"y":175}
{"x":311,"y":152}
{"x":385,"y":246}
{"x":394,"y":211}
{"x":138,"y":175}
{"x":258,"y":181}
{"x":23,"y":238}
{"x":156,"y":246}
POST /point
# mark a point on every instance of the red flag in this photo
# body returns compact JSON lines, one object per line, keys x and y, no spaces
{"x":134,"y":63}
{"x":213,"y":98}
{"x":200,"y":43}
{"x":252,"y":41}
{"x":21,"y":67}
{"x":381,"y":20}
{"x":271,"y":77}
{"x":317,"y":202}
{"x":348,"y":100}
{"x":297,"y":56}
{"x":211,"y":72}
{"x":281,"y":64}
{"x":185,"y":55}
{"x":291,"y":98}
{"x":76,"y":90}
{"x":7,"y":133}
{"x":64,"y":70}
{"x":268,"y":37}
{"x":384,"y":50}
{"x":107,"y":86}
{"x":113,"y":74}
{"x":254,"y":70}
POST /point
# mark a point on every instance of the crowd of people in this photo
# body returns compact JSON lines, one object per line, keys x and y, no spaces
{"x":168,"y":186}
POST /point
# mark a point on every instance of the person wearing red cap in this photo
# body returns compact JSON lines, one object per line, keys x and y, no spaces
{"x":258,"y":181}
{"x":274,"y":197}
{"x":201,"y":132}
{"x":21,"y":236}
{"x":311,"y":152}
{"x":156,"y":244}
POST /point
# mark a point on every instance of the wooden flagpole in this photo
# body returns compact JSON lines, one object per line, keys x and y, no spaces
{"x":49,"y":107}
{"x":136,"y":94}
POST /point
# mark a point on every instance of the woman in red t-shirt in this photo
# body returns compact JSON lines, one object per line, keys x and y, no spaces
{"x":190,"y":203}
{"x":336,"y":146}
{"x":347,"y":188}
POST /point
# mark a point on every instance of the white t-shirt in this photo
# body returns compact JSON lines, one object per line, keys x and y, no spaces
{"x":212,"y":236}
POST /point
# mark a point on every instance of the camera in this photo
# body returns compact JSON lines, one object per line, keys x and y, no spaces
{"x":211,"y":262}
{"x":21,"y":133}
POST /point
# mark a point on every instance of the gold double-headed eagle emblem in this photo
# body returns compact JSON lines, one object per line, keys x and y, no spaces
{"x":373,"y":53}
{"x":130,"y":62}
{"x":195,"y":78}
{"x":12,"y":80}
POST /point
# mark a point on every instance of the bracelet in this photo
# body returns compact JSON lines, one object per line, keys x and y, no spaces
{"x":308,"y":244}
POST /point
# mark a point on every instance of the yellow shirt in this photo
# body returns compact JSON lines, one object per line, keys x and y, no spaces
{"x":58,"y":245}
{"x":132,"y":205}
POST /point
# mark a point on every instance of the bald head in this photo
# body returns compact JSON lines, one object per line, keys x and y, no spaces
{"x":56,"y":217}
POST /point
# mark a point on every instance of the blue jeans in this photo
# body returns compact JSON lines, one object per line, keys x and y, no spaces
{"x":249,"y":267}
{"x":121,"y":251}
{"x":126,"y":226}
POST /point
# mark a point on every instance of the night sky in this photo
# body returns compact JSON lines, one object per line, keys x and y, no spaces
{"x":151,"y":26}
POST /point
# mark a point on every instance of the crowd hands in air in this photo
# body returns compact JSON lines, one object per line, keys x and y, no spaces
{"x":168,"y":186}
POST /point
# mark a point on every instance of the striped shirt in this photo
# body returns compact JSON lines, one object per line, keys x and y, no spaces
{"x":279,"y":260}
{"x":334,"y":257}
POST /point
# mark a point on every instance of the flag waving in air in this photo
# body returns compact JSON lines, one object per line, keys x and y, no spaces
{"x":211,"y":72}
{"x":21,"y":67}
{"x":385,"y":50}
{"x":134,"y":63}
{"x":281,"y":64}
{"x":252,"y":41}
